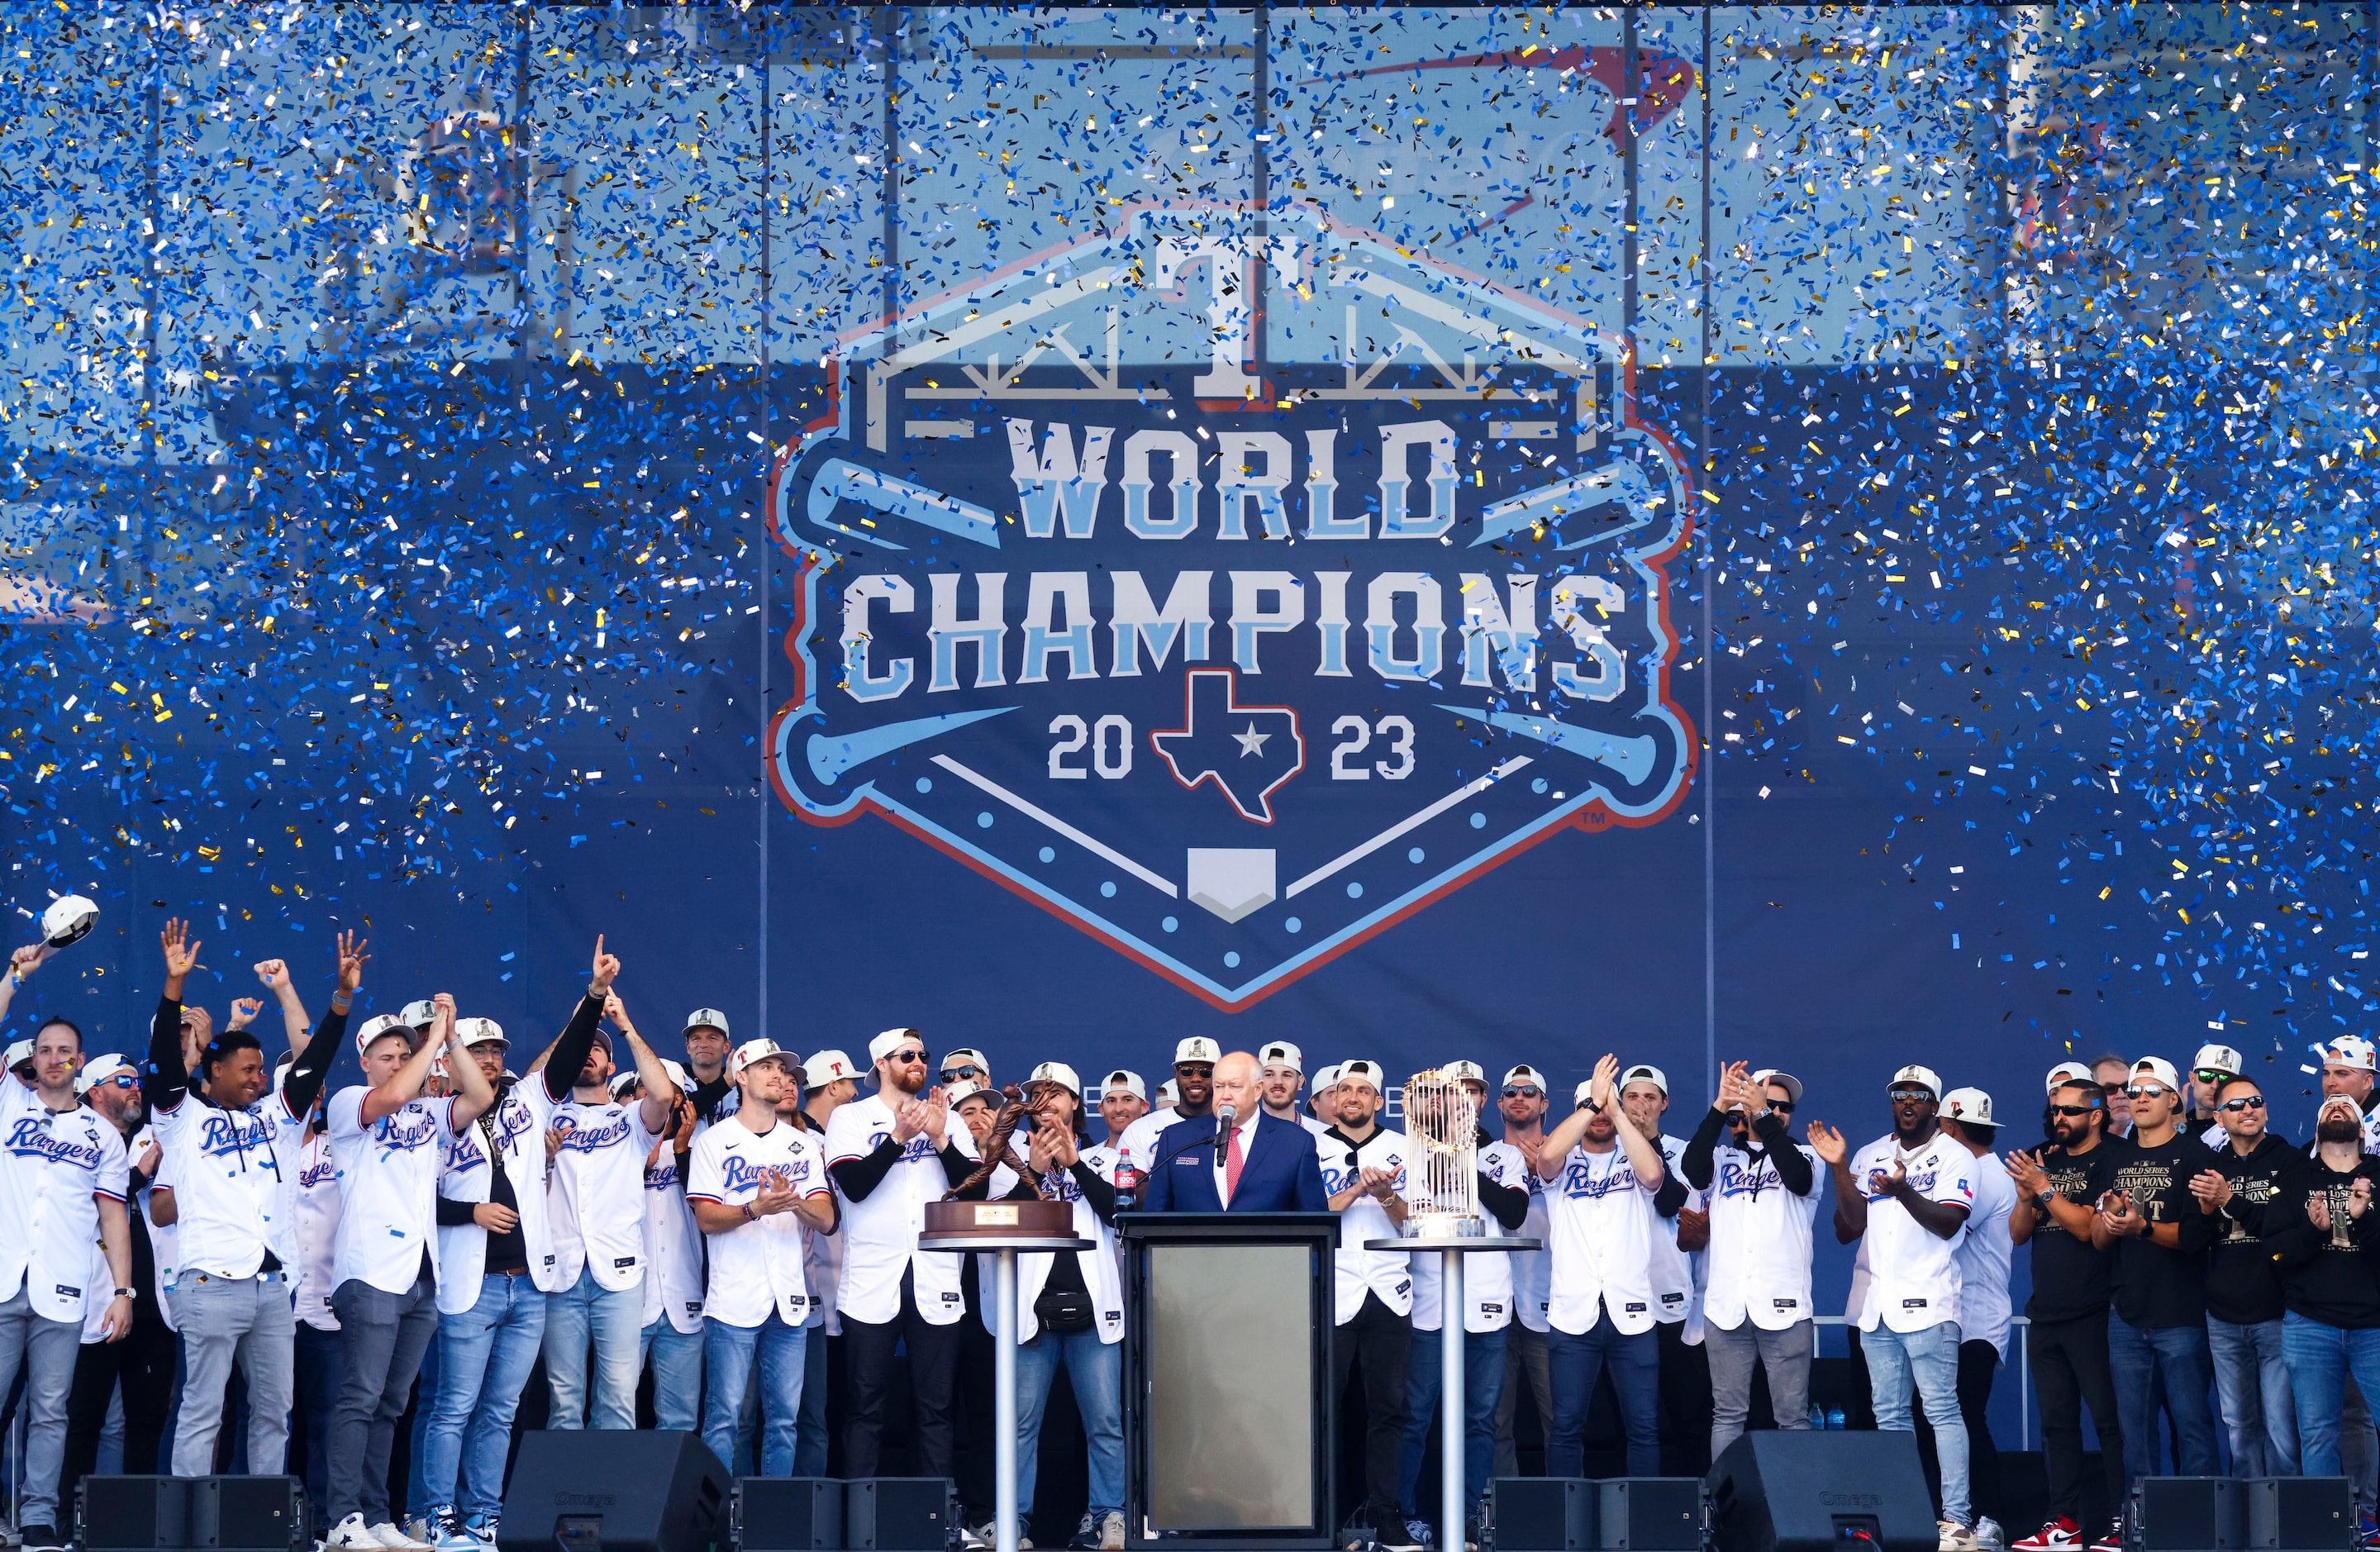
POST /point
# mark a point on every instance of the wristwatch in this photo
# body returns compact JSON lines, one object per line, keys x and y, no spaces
{"x":2043,"y":1198}
{"x":126,"y":1293}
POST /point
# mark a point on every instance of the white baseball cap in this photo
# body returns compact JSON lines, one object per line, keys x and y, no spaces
{"x":1463,"y":1071}
{"x":98,"y":1069}
{"x":1787,"y":1081}
{"x":67,"y":919}
{"x":1326,"y":1077}
{"x":420,"y":1014}
{"x":1970,"y":1105}
{"x":378,"y":1026}
{"x":20,"y":1052}
{"x":2217,"y":1059}
{"x":1280,"y":1053}
{"x":888,"y":1042}
{"x":1125,"y":1079}
{"x":2349,"y":1050}
{"x":2348,"y":1100}
{"x":479,"y":1032}
{"x":1578,"y":1096}
{"x":966,"y":1090}
{"x":750,"y":1052}
{"x":1168,"y":1095}
{"x":1058,"y":1073}
{"x":1645,"y":1071}
{"x":1198,"y":1047}
{"x":2158,"y":1067}
{"x":2069,"y":1072}
{"x":1923,"y":1076}
{"x":677,"y":1075}
{"x":706,"y":1018}
{"x":1524,"y":1073}
{"x":1367,"y":1070}
{"x":828,"y":1066}
{"x":965,"y":1053}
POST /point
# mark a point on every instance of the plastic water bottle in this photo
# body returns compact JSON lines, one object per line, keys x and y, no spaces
{"x":1835,"y":1417}
{"x":1818,"y":1416}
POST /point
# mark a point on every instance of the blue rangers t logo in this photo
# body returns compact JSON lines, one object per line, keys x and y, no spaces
{"x":1229,"y":660}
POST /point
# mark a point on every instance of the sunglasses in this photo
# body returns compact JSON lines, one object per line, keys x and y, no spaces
{"x":1521,"y":1091}
{"x":123,"y":1080}
{"x":2148,"y":1091}
{"x":2210,"y":1074}
{"x":1899,"y":1094}
{"x":2072,"y":1109}
{"x":2245,"y":1102}
{"x":2113,"y":1089}
{"x":908,"y":1056}
{"x":969,"y":1070}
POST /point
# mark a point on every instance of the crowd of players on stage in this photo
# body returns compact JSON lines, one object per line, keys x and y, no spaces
{"x":206,"y":1243}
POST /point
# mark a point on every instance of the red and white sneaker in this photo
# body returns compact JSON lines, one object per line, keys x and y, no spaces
{"x":2112,"y":1540}
{"x":2060,"y":1534}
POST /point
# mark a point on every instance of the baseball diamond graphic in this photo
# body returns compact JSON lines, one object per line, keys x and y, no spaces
{"x":1132,"y":616}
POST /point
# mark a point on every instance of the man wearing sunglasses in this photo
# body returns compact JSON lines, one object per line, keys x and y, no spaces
{"x":144,"y":1361}
{"x":890,"y":1153}
{"x":1763,"y":1189}
{"x":966,"y":1065}
{"x":1909,"y":1193}
{"x":2243,"y":1284}
{"x":2347,"y":1069}
{"x":2159,"y":1335}
{"x":2209,"y":1070}
{"x":1523,"y":1106}
{"x":2058,"y":1187}
{"x":2115,"y":1075}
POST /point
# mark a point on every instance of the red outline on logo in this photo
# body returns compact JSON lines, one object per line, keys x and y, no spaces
{"x":1594,"y":818}
{"x":1232,"y":703}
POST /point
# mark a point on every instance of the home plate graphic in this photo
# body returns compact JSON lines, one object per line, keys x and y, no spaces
{"x":1228,"y":660}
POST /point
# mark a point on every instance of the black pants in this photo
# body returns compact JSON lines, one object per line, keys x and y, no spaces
{"x":1381,"y":1339}
{"x":934,"y":1364}
{"x":2070,"y":1370}
{"x":144,"y":1362}
{"x":973,"y":1464}
{"x":1977,"y":1362}
{"x":1685,"y":1415}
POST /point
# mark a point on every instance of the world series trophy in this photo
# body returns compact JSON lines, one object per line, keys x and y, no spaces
{"x":1441,"y":1117}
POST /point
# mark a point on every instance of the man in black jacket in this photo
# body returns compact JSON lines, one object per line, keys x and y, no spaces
{"x":2243,"y":1285}
{"x":2318,"y":1226}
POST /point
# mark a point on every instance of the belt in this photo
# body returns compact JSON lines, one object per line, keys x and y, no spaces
{"x":514,"y":1271}
{"x":281,"y":1276}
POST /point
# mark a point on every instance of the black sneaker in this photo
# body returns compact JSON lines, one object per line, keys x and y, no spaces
{"x":1087,"y":1535}
{"x":41,"y":1538}
{"x":1355,"y":1535}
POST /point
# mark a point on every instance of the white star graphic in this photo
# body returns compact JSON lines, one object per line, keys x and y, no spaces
{"x":1251,"y":742}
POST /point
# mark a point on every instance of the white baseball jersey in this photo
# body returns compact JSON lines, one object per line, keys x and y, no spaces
{"x":388,"y":1188}
{"x":164,"y":1240}
{"x":1604,"y":1227}
{"x":1387,"y":1273}
{"x":1318,"y":1129}
{"x":879,"y":1234}
{"x":1487,"y":1279}
{"x":1533,"y":1270}
{"x":54,"y":1167}
{"x":1138,"y":1144}
{"x":672,"y":1244}
{"x":100,"y":1292}
{"x":2370,"y":1125}
{"x":233,"y":1175}
{"x":1102,"y":1271}
{"x":318,"y":1231}
{"x":1676,"y":1282}
{"x":1760,"y":1240}
{"x":822,"y":1262}
{"x":1913,"y":1273}
{"x":755,"y":1267}
{"x":1985,"y":1307}
{"x":516,"y":1124}
{"x":597,"y":1197}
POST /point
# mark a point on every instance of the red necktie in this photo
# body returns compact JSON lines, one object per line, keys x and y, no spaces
{"x":1232,"y":1160}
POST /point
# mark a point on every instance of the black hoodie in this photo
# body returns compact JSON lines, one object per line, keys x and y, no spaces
{"x":2326,"y":1274}
{"x":2243,"y":1282}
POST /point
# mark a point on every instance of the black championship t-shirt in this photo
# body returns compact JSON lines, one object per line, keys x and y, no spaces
{"x":2155,"y":1287}
{"x":2071,"y":1281}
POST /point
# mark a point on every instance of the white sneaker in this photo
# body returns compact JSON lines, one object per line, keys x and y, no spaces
{"x":1957,"y":1537}
{"x":1112,"y":1533}
{"x":389,"y":1536}
{"x":352,"y":1532}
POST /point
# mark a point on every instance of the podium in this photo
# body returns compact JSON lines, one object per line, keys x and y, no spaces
{"x":1227,"y":1409}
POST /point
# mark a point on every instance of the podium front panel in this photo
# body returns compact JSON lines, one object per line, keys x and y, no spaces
{"x":1223,"y":1452}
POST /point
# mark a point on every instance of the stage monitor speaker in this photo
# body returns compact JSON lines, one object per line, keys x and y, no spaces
{"x":1650,"y":1514}
{"x":612,"y":1490}
{"x":1542,"y":1513}
{"x":133,"y":1513}
{"x":2298,"y":1513}
{"x":784,"y":1514}
{"x":899,"y":1514}
{"x":2190,"y":1514}
{"x":248,"y":1514}
{"x":1809,"y":1490}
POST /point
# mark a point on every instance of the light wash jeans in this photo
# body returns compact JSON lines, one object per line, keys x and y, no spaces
{"x":1095,"y":1370}
{"x":484,"y":1357}
{"x":45,"y":1350}
{"x":1929,"y":1361}
{"x":2251,"y":1380}
{"x":614,"y":1322}
{"x":677,"y":1358}
{"x":728,"y":1351}
{"x":1483,"y":1386}
{"x":249,"y":1321}
{"x":2319,"y":1358}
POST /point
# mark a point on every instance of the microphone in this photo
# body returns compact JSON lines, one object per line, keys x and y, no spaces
{"x":1225,"y":1118}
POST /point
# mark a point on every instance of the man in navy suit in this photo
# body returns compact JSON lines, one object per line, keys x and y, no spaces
{"x":1263,"y":1164}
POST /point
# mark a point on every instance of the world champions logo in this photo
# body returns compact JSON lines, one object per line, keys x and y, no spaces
{"x":1233,"y":596}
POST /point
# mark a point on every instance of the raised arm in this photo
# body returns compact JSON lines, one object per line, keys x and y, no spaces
{"x":474,"y":1093}
{"x":167,"y":1075}
{"x":275,"y":973}
{"x":22,"y":963}
{"x":313,"y":1061}
{"x":561,"y":1063}
{"x":657,"y":1089}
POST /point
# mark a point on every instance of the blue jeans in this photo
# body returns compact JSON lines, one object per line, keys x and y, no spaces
{"x":728,"y":1353}
{"x":677,"y":1358}
{"x":2319,"y":1358}
{"x":484,"y":1357}
{"x":1928,"y":1362}
{"x":614,"y":1322}
{"x":2137,"y":1359}
{"x":1574,"y":1363}
{"x":1483,"y":1390}
{"x":810,"y":1429}
{"x":2251,"y":1381}
{"x":318,"y":1365}
{"x":1095,"y":1370}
